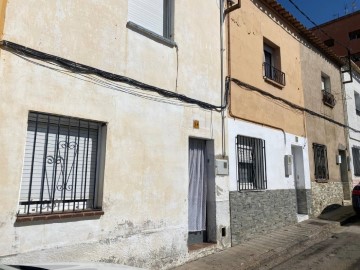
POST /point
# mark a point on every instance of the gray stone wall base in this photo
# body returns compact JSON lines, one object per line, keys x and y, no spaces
{"x":255,"y":213}
{"x":303,"y":197}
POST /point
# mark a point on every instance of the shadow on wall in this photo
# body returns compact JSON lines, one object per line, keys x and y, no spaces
{"x":330,"y":208}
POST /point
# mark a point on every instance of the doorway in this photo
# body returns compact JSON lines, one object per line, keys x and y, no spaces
{"x":344,"y":175}
{"x":299,"y":180}
{"x":198,"y":191}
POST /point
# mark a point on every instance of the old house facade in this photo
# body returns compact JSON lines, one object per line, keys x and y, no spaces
{"x":286,"y":122}
{"x":268,"y":150}
{"x":328,"y":150}
{"x":122,"y":141}
{"x":108,"y":120}
{"x":352,"y":101}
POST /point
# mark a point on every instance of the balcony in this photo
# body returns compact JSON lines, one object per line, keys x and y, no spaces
{"x":273,"y":74}
{"x":328,"y":99}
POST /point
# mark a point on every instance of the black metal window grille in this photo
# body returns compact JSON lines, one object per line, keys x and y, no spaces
{"x":60,"y":165}
{"x":273,"y":73}
{"x":321,"y":163}
{"x":356,"y":160}
{"x":251,"y":163}
{"x":328,"y":99}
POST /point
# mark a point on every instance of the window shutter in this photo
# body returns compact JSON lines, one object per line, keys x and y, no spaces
{"x":59,"y":164}
{"x":148,"y":14}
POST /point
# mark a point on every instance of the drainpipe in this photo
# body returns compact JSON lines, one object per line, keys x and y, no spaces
{"x":222,"y":77}
{"x":223,"y":13}
{"x":347,"y":137}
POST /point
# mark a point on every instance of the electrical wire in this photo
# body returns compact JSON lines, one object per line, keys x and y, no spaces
{"x":77,"y":68}
{"x":288,"y":103}
{"x":103,"y":83}
{"x":316,"y":25}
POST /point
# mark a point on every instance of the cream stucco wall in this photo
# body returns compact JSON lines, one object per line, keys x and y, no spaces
{"x":146,"y":162}
{"x":249,"y":27}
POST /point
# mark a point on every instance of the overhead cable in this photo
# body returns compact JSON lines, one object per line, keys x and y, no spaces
{"x":84,"y":69}
{"x":288,"y":103}
{"x":316,"y":25}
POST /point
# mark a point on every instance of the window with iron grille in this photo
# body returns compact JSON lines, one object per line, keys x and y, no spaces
{"x":321,"y":163}
{"x":356,"y":160}
{"x":272,"y":63}
{"x":251,"y":163}
{"x":60,"y":170}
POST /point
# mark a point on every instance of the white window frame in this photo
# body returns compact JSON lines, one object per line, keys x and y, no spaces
{"x":325,"y":83}
{"x":156,"y":16}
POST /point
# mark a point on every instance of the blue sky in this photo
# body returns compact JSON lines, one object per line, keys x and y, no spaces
{"x":320,"y":11}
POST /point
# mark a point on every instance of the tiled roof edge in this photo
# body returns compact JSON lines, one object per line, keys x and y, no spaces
{"x":303,"y":31}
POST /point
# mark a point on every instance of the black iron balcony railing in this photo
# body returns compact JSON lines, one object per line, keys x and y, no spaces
{"x":274,"y":74}
{"x":328,"y":99}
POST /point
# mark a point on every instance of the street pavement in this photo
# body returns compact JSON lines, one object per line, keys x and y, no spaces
{"x":341,"y":251}
{"x":312,"y":244}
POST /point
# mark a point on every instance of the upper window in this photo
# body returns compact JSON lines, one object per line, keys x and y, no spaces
{"x":357,"y":103}
{"x":321,"y":163}
{"x":325,"y":83}
{"x":355,"y":57}
{"x":329,"y":42}
{"x":328,"y":98}
{"x":60,"y":171}
{"x":251,"y":163}
{"x":356,"y":160}
{"x":155,"y":15}
{"x":354,"y":34}
{"x":272,"y":64}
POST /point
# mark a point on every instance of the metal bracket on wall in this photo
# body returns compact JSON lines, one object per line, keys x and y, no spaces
{"x":232,"y":6}
{"x":347,"y":67}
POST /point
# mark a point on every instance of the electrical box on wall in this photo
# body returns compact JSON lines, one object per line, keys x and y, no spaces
{"x":288,"y":161}
{"x":338,"y":159}
{"x":222,"y":167}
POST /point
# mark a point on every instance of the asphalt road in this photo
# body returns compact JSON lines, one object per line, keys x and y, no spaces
{"x":339,"y":252}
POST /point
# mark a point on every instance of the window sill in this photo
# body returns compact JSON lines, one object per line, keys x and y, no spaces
{"x":268,"y":80}
{"x":251,"y":190}
{"x":329,"y":105}
{"x":150,"y":34}
{"x":322,"y":180}
{"x":59,"y":216}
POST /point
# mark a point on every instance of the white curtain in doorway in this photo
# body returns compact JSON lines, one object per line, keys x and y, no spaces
{"x":197,"y":185}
